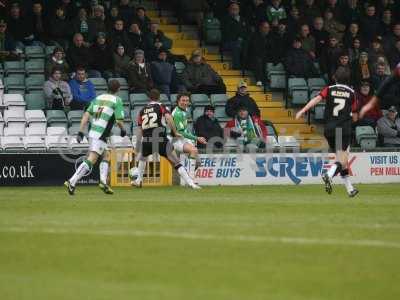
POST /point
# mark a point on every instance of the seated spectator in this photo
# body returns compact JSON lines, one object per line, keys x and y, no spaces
{"x":241,"y":99}
{"x":163,"y":73}
{"x":281,"y":43}
{"x":344,"y":61}
{"x":351,"y":11}
{"x":121,"y":61}
{"x":351,"y":34}
{"x":192,"y":12}
{"x":118,"y":35}
{"x":332,"y":25}
{"x":57,"y":59}
{"x":255,"y":13}
{"x":355,"y":50}
{"x":298,"y":62}
{"x":370,"y":24}
{"x":294,"y":21}
{"x":199,"y":78}
{"x":97,"y":23}
{"x":276,"y":11}
{"x":330,"y":56}
{"x":112,"y":17}
{"x":375,"y":51}
{"x":307,"y":40}
{"x":363,"y":96}
{"x":379,"y":76}
{"x":60,"y":28}
{"x":155,"y":40}
{"x":102,"y":56}
{"x":389,"y":128}
{"x":310,"y":11}
{"x":394,"y":55}
{"x":126,"y":11}
{"x":82,"y":89}
{"x":234,"y":34}
{"x":80,"y":24}
{"x":362,"y":70}
{"x":260,"y":51}
{"x":20,"y":27}
{"x":392,"y":38}
{"x":335,"y":8}
{"x":386,"y":22}
{"x":57,"y":92}
{"x":142,"y":19}
{"x":208,"y":127}
{"x":40,"y":24}
{"x":8,"y":49}
{"x":246,"y":129}
{"x":381,"y":60}
{"x":139,"y":74}
{"x":136,"y":37}
{"x":320,"y":34}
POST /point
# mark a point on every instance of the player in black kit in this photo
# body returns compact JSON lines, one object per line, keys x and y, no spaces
{"x":152,"y":121}
{"x":340,"y":103}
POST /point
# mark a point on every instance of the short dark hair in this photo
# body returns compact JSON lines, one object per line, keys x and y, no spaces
{"x":342,"y":76}
{"x":56,"y":69}
{"x":113,"y":86}
{"x":180,"y":95}
{"x":154,"y":94}
{"x":79,"y":69}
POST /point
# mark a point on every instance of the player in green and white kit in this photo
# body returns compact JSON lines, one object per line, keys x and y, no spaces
{"x":102,"y":113}
{"x":186,"y":143}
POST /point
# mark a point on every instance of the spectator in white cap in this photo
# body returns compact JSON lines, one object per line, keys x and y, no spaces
{"x":389,"y":128}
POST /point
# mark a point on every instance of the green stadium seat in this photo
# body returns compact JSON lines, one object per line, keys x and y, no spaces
{"x":199,"y":100}
{"x":134,"y":114}
{"x":35,"y":101}
{"x":56,"y":116}
{"x":74,"y":116}
{"x":197,"y":112}
{"x":138,"y":99}
{"x":99,"y":83}
{"x":212,"y":31}
{"x":34,"y":83}
{"x":173,"y":97}
{"x":164,"y":99}
{"x":34,"y":66}
{"x":217,"y":99}
{"x":14,"y":82}
{"x":100,"y":91}
{"x":315,"y":84}
{"x":124,"y":95}
{"x":34,"y":52}
{"x":277,"y":75}
{"x":49,"y":50}
{"x":220,"y":113}
{"x":14,"y":67}
{"x":127,"y":113}
{"x":128,"y":127}
{"x":122,"y":82}
{"x":366,"y":137}
{"x":319,"y":112}
{"x":298,"y":90}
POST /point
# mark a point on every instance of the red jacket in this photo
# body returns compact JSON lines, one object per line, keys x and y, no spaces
{"x":258,"y":123}
{"x":374,"y":113}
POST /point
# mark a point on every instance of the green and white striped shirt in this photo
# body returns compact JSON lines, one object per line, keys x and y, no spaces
{"x":104,"y":110}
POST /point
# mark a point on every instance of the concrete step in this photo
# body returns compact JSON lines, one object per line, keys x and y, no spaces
{"x":314,"y":144}
{"x":235,"y":80}
{"x":293,"y":129}
{"x":229,"y":72}
{"x":186,"y":44}
{"x":250,"y":88}
{"x":268,"y":113}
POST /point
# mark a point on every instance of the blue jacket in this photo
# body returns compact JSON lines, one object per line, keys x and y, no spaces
{"x":83,"y":92}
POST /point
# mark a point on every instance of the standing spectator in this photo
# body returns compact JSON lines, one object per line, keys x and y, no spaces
{"x":139,"y":74}
{"x":163,"y":73}
{"x":136,"y":37}
{"x":260,"y":51}
{"x":112,"y":17}
{"x":241,"y":99}
{"x":310,"y":11}
{"x":370,"y":24}
{"x":118,"y":35}
{"x":57,"y":92}
{"x":121,"y":61}
{"x":389,"y":128}
{"x":82,"y":89}
{"x":332,"y":25}
{"x":20,"y":27}
{"x":208,"y":127}
{"x":392,"y":38}
{"x":320,"y":34}
{"x":276,"y":11}
{"x":375,"y":51}
{"x":362,"y":70}
{"x":351,"y":11}
{"x":307,"y":40}
{"x":57,"y":59}
{"x":126,"y":11}
{"x":330,"y":56}
{"x":80,"y":24}
{"x":335,"y":8}
{"x":281,"y":43}
{"x":142,"y":19}
{"x":97,"y":23}
{"x":386,"y":22}
{"x":155,"y":40}
{"x":102,"y":57}
{"x":351,"y":34}
{"x":379,"y":76}
{"x":355,"y":50}
{"x":255,"y":13}
{"x":294,"y":21}
{"x":70,"y":8}
{"x":234,"y":34}
{"x":298,"y":62}
{"x":60,"y":28}
{"x":199,"y":78}
{"x":193,"y":11}
{"x":363,"y":96}
{"x":7,"y":44}
{"x":394,"y":55}
{"x":40,"y":24}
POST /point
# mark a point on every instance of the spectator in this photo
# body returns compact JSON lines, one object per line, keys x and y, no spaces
{"x":20,"y":27}
{"x":307,"y":40}
{"x":386,"y":22}
{"x":392,"y":38}
{"x":330,"y":56}
{"x":335,"y":8}
{"x":375,"y":51}
{"x":57,"y":59}
{"x":70,"y":8}
{"x":260,"y":51}
{"x":208,"y":127}
{"x":163,"y":73}
{"x":363,"y":96}
{"x":355,"y":50}
{"x":234,"y":34}
{"x":389,"y":128}
{"x":78,"y":55}
{"x":80,"y":24}
{"x":320,"y":34}
{"x":246,"y":129}
{"x":97,"y":23}
{"x":281,"y":43}
{"x":136,"y":37}
{"x":379,"y":76}
{"x":121,"y":61}
{"x":57,"y":92}
{"x":102,"y":57}
{"x":7,"y":44}
{"x":394,"y":55}
{"x":332,"y":25}
{"x":118,"y":35}
{"x":310,"y":11}
{"x":362,"y":70}
{"x":60,"y":28}
{"x":351,"y":34}
{"x":255,"y":13}
{"x":112,"y":17}
{"x":192,"y":12}
{"x":40,"y":24}
{"x":126,"y":11}
{"x":382,"y":60}
{"x":142,"y":20}
{"x":82,"y":89}
{"x":199,"y":78}
{"x":276,"y":11}
{"x":344,"y":61}
{"x":155,"y":40}
{"x":294,"y":20}
{"x":299,"y":62}
{"x":241,"y":99}
{"x":351,"y":12}
{"x":370,"y":24}
{"x":139,"y":74}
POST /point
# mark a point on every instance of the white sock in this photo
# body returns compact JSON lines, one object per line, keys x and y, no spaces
{"x":185,"y":176}
{"x":332,"y":170}
{"x":104,"y":165}
{"x":141,"y":166}
{"x":82,"y":170}
{"x":192,"y":167}
{"x":347,"y":183}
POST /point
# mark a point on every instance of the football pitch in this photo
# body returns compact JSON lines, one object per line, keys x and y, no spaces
{"x":222,"y":243}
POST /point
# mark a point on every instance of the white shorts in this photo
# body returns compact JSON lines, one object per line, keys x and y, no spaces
{"x":179,"y":143}
{"x":98,"y":146}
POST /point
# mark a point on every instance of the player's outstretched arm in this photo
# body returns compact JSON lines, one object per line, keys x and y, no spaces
{"x":84,"y":121}
{"x":367,"y":107}
{"x":120,"y":124}
{"x":171,"y":125}
{"x":313,"y":102}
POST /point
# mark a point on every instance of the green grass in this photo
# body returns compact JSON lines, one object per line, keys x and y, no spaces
{"x":233,"y":243}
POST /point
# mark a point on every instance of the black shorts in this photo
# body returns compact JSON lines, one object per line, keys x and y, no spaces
{"x":163,"y":147}
{"x":339,"y":139}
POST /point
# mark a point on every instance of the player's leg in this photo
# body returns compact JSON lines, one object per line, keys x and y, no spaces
{"x":138,"y":181}
{"x":343,"y":158}
{"x":104,"y":169}
{"x":193,"y":156}
{"x":334,"y":168}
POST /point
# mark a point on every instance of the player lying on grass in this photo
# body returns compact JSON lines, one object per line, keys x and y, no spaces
{"x":153,"y":138}
{"x":102,"y":113}
{"x":339,"y":104}
{"x":187,"y":142}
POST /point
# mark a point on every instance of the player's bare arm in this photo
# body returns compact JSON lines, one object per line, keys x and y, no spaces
{"x":367,"y":107}
{"x":313,"y":102}
{"x":171,"y":125}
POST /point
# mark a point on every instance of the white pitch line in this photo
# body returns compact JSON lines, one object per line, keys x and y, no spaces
{"x":209,"y":237}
